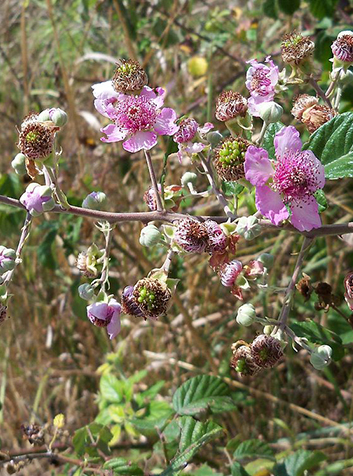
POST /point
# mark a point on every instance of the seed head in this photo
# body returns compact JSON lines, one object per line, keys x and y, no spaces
{"x":129,"y":76}
{"x":36,"y":139}
{"x":243,"y":362}
{"x":229,"y":158}
{"x":296,"y":48}
{"x":152,"y":297}
{"x":191,"y":236}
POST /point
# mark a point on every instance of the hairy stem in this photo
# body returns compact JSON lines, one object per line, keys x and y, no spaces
{"x":320,"y":92}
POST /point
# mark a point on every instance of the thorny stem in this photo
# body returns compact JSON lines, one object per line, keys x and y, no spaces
{"x":336,"y":229}
{"x":221,"y":198}
{"x":154,"y":181}
{"x":283,"y":317}
{"x":108,"y":233}
{"x":23,"y":238}
{"x":320,"y":92}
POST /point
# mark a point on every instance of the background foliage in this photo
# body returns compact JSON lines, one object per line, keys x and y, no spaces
{"x":287,"y":421}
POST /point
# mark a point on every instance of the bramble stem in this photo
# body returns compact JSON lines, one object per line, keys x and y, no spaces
{"x":168,"y":261}
{"x":108,"y":233}
{"x":283,"y":317}
{"x":220,"y":197}
{"x":23,"y":238}
{"x":169,"y":217}
{"x":153,"y":180}
{"x":49,"y":172}
{"x":262,"y":133}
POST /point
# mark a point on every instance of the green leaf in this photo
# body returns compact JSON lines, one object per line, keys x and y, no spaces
{"x":201,"y":392}
{"x":253,"y":449}
{"x":155,"y":416}
{"x":269,"y":136}
{"x":299,"y":462}
{"x":237,"y":470}
{"x":322,"y":8}
{"x":111,"y":388}
{"x":232,"y":188}
{"x":10,"y":185}
{"x":194,"y":434}
{"x":318,"y":334}
{"x":289,"y":6}
{"x":79,"y":441}
{"x":332,"y":143}
{"x":122,"y":466}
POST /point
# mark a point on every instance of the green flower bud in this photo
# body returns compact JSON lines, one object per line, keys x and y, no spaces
{"x":188,"y":177}
{"x":270,"y":111}
{"x":150,"y":236}
{"x":266,"y":259}
{"x":19,"y":164}
{"x":44,"y":116}
{"x":321,"y":357}
{"x":94,"y":200}
{"x":248,"y":227}
{"x":59,"y":117}
{"x":214,"y":138}
{"x":246,"y":315}
{"x":86,"y":292}
{"x":7,"y":259}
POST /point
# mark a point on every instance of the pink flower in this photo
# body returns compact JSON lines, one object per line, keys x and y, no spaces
{"x":103,"y":314}
{"x":229,"y":273}
{"x":289,"y":182}
{"x":261,"y":81}
{"x":188,"y":128}
{"x":137,"y":120}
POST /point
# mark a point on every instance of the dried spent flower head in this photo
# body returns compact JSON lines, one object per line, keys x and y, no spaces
{"x":187,"y":130}
{"x":342,"y":47}
{"x":229,"y":273}
{"x":230,"y":105}
{"x":296,"y":48}
{"x":304,"y":287}
{"x":316,"y":116}
{"x":217,"y":240}
{"x":128,"y":303}
{"x":266,"y":351}
{"x":129,"y":76}
{"x":229,"y":158}
{"x":34,"y":434}
{"x":243,"y":362}
{"x":191,"y":236}
{"x":152,"y":297}
{"x":301,"y":103}
{"x":36,"y":139}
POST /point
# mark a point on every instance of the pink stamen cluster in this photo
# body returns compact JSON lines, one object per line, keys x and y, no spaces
{"x":261,"y":80}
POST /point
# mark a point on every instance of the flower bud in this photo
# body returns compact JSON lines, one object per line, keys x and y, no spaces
{"x":270,"y":111}
{"x":94,"y":200}
{"x":248,"y":227}
{"x":19,"y":164}
{"x":188,"y":177}
{"x":214,"y":138}
{"x":86,"y":291}
{"x":346,"y":77}
{"x":266,"y":259}
{"x":7,"y":259}
{"x":58,"y":116}
{"x":37,"y":199}
{"x":150,"y":236}
{"x":246,"y":315}
{"x":59,"y":421}
{"x":321,"y":357}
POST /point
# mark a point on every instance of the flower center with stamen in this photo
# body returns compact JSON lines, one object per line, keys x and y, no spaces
{"x":135,"y":114}
{"x":296,"y":176}
{"x":260,"y":82}
{"x":32,"y":136}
